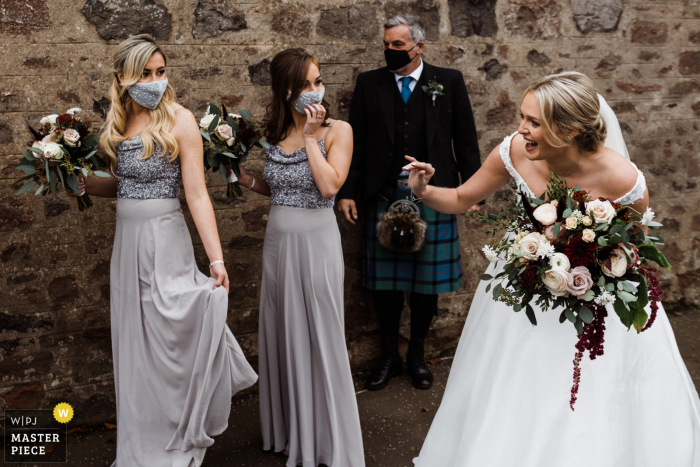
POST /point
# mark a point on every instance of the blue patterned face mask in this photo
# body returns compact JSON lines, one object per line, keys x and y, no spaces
{"x":148,"y":94}
{"x":313,"y":97}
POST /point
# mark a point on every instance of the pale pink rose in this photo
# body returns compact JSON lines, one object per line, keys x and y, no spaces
{"x":224,"y":132}
{"x":530,"y":243}
{"x":601,"y":211}
{"x":588,"y":235}
{"x":571,"y":222}
{"x":579,"y":281}
{"x":555,"y":280}
{"x":546,"y":214}
{"x":71,"y":137}
{"x":618,"y":264}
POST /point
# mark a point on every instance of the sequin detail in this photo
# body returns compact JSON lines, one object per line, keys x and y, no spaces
{"x":152,"y":178}
{"x":290,"y":179}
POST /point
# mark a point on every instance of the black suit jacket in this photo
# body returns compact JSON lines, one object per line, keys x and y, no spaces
{"x":452,"y":145}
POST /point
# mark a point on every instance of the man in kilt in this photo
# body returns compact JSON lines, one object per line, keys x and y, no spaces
{"x":408,"y":108}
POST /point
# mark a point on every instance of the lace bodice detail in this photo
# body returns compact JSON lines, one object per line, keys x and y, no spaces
{"x":635,"y":194}
{"x":152,"y":178}
{"x":290,"y":179}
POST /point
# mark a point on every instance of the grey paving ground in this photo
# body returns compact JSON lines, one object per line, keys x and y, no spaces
{"x":394,"y":421}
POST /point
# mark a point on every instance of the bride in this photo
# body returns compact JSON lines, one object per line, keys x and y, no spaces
{"x":506,"y":403}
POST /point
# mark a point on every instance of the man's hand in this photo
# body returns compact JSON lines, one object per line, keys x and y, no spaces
{"x":476,"y":209}
{"x":348,"y":207}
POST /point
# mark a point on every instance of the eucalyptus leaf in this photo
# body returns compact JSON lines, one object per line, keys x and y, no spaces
{"x":485,"y":277}
{"x":39,"y":190}
{"x":100,"y":173}
{"x":586,"y":314}
{"x":72,"y":181}
{"x":497,"y":291}
{"x":488,"y":287}
{"x":205,"y":135}
{"x":37,"y":151}
{"x":531,"y":315}
{"x":640,"y":319}
{"x":601,"y":281}
{"x":26,"y":187}
{"x":610,"y":287}
{"x":536,"y":201}
{"x":222,"y":174}
{"x":28,"y":169}
{"x":643,"y":294}
{"x":567,"y":213}
{"x":517,"y":307}
{"x":626,"y":296}
{"x":579,"y":326}
{"x":601,"y":226}
{"x":602,"y":241}
{"x":557,"y":228}
{"x":562,"y":317}
{"x":589,"y":296}
{"x":649,"y":251}
{"x":214,"y":123}
{"x":245,"y":114}
{"x":264,"y":144}
{"x":570,"y":315}
{"x":243,"y":148}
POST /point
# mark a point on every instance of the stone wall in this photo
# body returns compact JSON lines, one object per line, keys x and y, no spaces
{"x":644,"y":57}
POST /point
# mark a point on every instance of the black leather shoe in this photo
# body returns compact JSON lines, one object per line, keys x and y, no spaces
{"x":421,"y":376}
{"x":388,"y":367}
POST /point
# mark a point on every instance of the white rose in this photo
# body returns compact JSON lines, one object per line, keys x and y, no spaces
{"x":555,"y":280}
{"x":71,"y":137}
{"x":546,"y":214}
{"x":206,"y":120}
{"x":618,"y":264}
{"x":50,"y":119}
{"x":224,"y":132}
{"x":531,"y":243}
{"x":586,"y":220}
{"x":74,"y":110}
{"x":53,"y":151}
{"x":588,"y":235}
{"x":571,"y":222}
{"x":554,"y":203}
{"x":601,"y":211}
{"x":560,"y":261}
{"x":519,"y":236}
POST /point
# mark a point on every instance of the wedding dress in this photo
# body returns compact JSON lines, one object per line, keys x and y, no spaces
{"x":506,"y":403}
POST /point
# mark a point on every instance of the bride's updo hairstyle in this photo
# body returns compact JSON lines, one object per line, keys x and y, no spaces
{"x":130,"y":59}
{"x":569,"y":103}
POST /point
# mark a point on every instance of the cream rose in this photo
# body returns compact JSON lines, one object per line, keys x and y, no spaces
{"x":586,"y":220}
{"x":555,"y":280}
{"x":571,"y":222}
{"x":579,"y":281}
{"x":531,"y":243}
{"x":588,"y":235}
{"x":601,"y":211}
{"x":50,"y":119}
{"x":546,"y":214}
{"x":53,"y":151}
{"x":206,"y":121}
{"x":559,"y":261}
{"x":224,"y":132}
{"x":618,"y":264}
{"x":71,"y":137}
{"x":554,"y":203}
{"x":74,"y":110}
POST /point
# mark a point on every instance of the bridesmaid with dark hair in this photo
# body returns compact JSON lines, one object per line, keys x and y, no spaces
{"x":307,"y":399}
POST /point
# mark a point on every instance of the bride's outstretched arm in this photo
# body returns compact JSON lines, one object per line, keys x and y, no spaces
{"x":486,"y":181}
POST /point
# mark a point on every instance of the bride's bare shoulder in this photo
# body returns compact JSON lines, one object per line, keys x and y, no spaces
{"x":615,"y":172}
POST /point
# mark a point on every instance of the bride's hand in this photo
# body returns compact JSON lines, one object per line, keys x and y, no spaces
{"x":244,"y":178}
{"x":82,"y":187}
{"x":420,"y":175}
{"x":218,"y":272}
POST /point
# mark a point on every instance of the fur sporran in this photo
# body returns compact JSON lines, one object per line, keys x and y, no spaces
{"x":401,"y":229}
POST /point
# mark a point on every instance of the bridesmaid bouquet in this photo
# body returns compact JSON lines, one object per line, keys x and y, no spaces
{"x":567,"y":250}
{"x":65,"y":145}
{"x":228,"y":139}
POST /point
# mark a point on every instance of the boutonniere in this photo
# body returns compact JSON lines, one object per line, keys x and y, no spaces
{"x":434,"y":89}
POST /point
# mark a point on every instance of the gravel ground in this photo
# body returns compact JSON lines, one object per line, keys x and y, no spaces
{"x":395,"y":420}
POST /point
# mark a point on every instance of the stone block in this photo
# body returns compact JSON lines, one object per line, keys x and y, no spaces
{"x":119,"y":19}
{"x":534,"y":19}
{"x":290,"y":23}
{"x":214,"y":17}
{"x":427,"y":10}
{"x":473,"y":18}
{"x":596,"y":15}
{"x":350,"y":22}
{"x":647,"y":32}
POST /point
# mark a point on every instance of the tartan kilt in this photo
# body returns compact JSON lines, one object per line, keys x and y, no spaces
{"x":435,"y":269}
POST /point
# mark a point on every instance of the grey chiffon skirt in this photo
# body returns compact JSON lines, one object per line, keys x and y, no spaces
{"x":307,"y":398}
{"x":176,"y":362}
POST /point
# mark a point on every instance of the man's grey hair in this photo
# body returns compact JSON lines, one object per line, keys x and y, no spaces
{"x":415,"y":27}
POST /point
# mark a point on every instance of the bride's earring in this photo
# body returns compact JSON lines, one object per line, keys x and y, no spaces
{"x":568,"y":139}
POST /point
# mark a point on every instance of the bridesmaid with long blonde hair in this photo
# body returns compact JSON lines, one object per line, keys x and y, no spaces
{"x":176,"y":363}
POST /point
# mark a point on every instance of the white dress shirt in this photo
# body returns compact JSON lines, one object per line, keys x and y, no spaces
{"x":415,"y":75}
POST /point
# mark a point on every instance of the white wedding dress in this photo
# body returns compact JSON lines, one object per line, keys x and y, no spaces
{"x":506,"y":403}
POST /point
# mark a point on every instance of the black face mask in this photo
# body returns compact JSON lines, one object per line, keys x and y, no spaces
{"x":397,"y":59}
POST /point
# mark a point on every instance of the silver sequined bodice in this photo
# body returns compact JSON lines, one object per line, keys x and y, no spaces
{"x":152,"y":178}
{"x":290,"y":179}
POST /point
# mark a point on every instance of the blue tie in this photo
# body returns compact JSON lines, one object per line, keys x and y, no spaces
{"x":405,"y":88}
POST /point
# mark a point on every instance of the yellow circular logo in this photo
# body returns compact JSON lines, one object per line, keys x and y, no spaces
{"x":63,"y":412}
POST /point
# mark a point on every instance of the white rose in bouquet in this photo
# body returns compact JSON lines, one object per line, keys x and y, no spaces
{"x":571,"y":222}
{"x":601,"y":211}
{"x":71,"y":137}
{"x":74,"y":110}
{"x":530,"y":244}
{"x":618,"y":264}
{"x":50,"y":119}
{"x":555,"y":280}
{"x":546,"y":214}
{"x":53,"y":151}
{"x":588,"y":235}
{"x":206,"y":121}
{"x":587,"y":221}
{"x":560,"y":261}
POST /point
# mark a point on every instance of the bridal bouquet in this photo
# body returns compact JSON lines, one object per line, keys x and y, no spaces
{"x":568,"y":251}
{"x":65,"y":145}
{"x":227,"y":140}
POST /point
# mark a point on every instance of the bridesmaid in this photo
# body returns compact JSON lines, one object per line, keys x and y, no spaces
{"x":307,"y":399}
{"x":176,"y":363}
